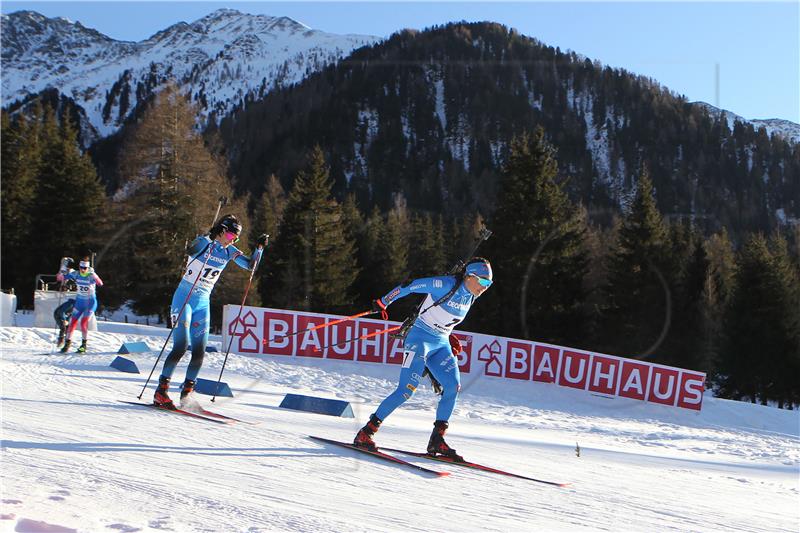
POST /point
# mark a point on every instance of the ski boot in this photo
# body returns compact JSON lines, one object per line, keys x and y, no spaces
{"x":187,"y":398}
{"x":161,"y":397}
{"x":60,"y":340}
{"x":437,"y":445}
{"x":82,"y":347}
{"x":65,"y":348}
{"x":364,"y":436}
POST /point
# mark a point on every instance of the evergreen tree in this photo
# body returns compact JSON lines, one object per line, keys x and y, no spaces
{"x":370,"y":283}
{"x":749,"y":341}
{"x":172,"y":191}
{"x":313,"y":263}
{"x":638,"y":298}
{"x":355,"y":229}
{"x":760,"y":355}
{"x":393,"y":245}
{"x":538,"y":250}
{"x":21,"y":158}
{"x":427,"y":251}
{"x":784,"y":289}
{"x":267,"y":219}
{"x":70,"y":201}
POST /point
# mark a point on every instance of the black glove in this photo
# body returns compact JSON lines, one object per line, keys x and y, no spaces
{"x":379,"y":307}
{"x":262,"y":240}
{"x":437,"y":387}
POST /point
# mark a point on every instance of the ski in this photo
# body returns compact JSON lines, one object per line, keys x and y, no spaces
{"x":177,"y":411}
{"x":205,"y":412}
{"x":476,"y":466}
{"x":381,"y":455}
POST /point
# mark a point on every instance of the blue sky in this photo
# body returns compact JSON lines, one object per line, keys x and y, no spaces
{"x":741,"y":56}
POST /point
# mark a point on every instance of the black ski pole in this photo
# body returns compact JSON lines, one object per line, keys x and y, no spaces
{"x":177,"y":319}
{"x":233,"y":335}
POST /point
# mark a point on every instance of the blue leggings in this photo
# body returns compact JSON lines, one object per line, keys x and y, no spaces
{"x":193,"y":323}
{"x":421,"y":349}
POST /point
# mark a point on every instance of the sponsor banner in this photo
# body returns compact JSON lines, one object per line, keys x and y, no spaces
{"x":290,"y":333}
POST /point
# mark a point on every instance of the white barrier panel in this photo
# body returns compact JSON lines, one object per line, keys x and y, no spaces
{"x":45,"y":304}
{"x":8,"y":306}
{"x":267,"y":331}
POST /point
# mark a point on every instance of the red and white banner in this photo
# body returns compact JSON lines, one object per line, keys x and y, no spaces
{"x":269,"y":332}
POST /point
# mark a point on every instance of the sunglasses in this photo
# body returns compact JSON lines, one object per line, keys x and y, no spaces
{"x":484,"y":282}
{"x":83,"y":265}
{"x":231,"y":236}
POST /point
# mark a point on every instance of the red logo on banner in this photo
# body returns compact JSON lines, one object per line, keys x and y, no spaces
{"x":634,"y":380}
{"x":519,"y":360}
{"x":690,"y":395}
{"x":490,"y":353}
{"x":244,"y":328}
{"x":371,"y":349}
{"x":277,"y":327}
{"x":546,"y":360}
{"x":663,"y":386}
{"x":603,"y":376}
{"x":574,"y":369}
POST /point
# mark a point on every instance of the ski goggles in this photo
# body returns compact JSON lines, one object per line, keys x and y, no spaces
{"x":232,"y":237}
{"x":484,"y":282}
{"x":84,"y":264}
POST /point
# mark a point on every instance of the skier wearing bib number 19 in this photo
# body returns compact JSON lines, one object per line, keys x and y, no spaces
{"x":430,"y":343}
{"x":208,"y":256}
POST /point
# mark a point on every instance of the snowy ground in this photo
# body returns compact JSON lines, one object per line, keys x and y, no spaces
{"x":74,"y":458}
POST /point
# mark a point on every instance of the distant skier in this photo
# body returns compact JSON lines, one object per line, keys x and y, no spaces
{"x":61,"y":316}
{"x":430,"y":343}
{"x":87,"y":282}
{"x":208,"y":256}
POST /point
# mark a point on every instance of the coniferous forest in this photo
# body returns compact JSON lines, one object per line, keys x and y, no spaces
{"x":383,"y":168}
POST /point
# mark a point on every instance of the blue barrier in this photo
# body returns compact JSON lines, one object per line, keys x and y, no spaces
{"x":323,"y":406}
{"x":124,"y":365}
{"x":134,"y":347}
{"x":208,"y":387}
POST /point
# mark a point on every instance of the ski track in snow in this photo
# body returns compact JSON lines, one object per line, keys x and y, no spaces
{"x":76,"y":459}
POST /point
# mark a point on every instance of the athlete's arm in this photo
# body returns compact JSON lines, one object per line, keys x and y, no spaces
{"x":435,"y":286}
{"x":247,"y":263}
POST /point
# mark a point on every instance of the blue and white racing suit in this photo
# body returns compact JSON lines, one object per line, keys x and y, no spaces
{"x":427,"y":342}
{"x":207,"y":260}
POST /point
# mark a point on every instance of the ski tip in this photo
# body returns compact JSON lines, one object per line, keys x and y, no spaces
{"x":442,"y":474}
{"x":564,"y":484}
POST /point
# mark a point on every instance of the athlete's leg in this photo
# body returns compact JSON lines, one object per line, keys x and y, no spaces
{"x":198,"y":330}
{"x":444,"y":368}
{"x":410,"y":375}
{"x":180,"y":338}
{"x":91,"y":307}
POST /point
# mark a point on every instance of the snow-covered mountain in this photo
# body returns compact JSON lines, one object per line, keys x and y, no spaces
{"x":222,"y":59}
{"x":775,"y":126}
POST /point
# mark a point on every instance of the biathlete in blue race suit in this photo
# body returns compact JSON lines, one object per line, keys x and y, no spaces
{"x":208,"y":257}
{"x":87,"y":282}
{"x":430,"y":343}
